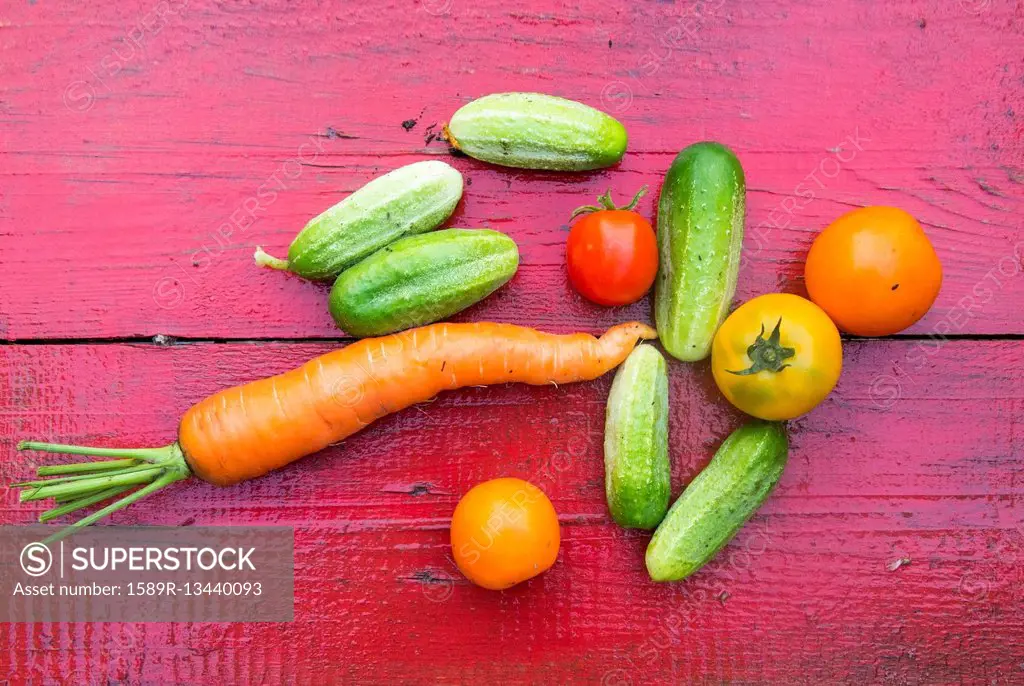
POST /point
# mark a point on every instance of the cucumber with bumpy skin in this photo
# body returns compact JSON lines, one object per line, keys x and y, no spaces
{"x":422,"y":279}
{"x":718,"y":501}
{"x":409,"y":200}
{"x":637,"y":470}
{"x":537,"y":131}
{"x":700,"y":236}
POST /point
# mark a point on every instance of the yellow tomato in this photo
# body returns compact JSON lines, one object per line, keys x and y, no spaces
{"x":777,"y":356}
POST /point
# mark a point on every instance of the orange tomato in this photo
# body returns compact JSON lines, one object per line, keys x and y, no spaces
{"x":504,"y":531}
{"x":873,"y":271}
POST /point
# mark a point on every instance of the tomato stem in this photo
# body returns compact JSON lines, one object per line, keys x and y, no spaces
{"x":767,"y":354}
{"x":605,"y":202}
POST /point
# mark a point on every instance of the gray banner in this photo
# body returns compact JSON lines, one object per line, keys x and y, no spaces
{"x":147,"y":574}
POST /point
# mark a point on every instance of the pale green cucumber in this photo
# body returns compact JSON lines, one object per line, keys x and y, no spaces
{"x":637,"y":474}
{"x":409,"y":200}
{"x":537,"y":131}
{"x":718,"y":501}
{"x":422,"y":279}
{"x":700,"y":236}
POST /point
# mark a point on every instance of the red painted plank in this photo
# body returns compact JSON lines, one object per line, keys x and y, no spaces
{"x":131,"y":136}
{"x":917,"y":454}
{"x":132,"y":147}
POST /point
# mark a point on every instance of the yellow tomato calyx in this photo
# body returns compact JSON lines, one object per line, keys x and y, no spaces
{"x":767,"y":354}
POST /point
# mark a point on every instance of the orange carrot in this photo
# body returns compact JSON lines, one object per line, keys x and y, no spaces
{"x":247,"y":431}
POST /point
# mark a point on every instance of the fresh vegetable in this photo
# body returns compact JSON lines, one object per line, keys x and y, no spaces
{"x":247,"y":431}
{"x":718,"y":501}
{"x":422,"y":279}
{"x":874,"y":271}
{"x":504,"y":531}
{"x":700,"y":235}
{"x":637,"y":474}
{"x":536,"y":131}
{"x":777,"y":356}
{"x":612,"y":253}
{"x":409,"y":200}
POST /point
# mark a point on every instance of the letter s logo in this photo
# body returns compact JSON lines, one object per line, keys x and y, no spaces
{"x":36,"y":559}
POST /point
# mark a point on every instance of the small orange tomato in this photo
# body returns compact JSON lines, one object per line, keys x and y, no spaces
{"x":504,"y":531}
{"x":873,"y":271}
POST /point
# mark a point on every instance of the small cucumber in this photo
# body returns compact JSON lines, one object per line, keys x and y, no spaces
{"x":409,"y":200}
{"x":537,"y":131}
{"x":422,"y":279}
{"x":700,"y":236}
{"x":637,"y":474}
{"x":718,"y":501}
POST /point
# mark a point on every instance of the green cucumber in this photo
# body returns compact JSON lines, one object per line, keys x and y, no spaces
{"x":409,"y":200}
{"x":637,"y":474}
{"x":718,"y":501}
{"x":700,"y":236}
{"x":422,"y":279}
{"x":537,"y":131}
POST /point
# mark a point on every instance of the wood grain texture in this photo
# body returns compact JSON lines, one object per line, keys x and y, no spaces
{"x":149,"y":151}
{"x":148,"y":146}
{"x":931,"y":473}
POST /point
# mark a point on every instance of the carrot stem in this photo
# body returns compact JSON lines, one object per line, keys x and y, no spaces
{"x":129,"y":478}
{"x":83,"y":501}
{"x":165,"y":480}
{"x":93,"y":482}
{"x":83,"y":477}
{"x":147,"y":454}
{"x":82,"y":467}
{"x":67,"y":498}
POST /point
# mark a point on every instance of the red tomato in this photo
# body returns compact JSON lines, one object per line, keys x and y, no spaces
{"x":612,"y":256}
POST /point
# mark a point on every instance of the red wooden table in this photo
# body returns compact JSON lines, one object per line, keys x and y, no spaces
{"x":148,"y":146}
